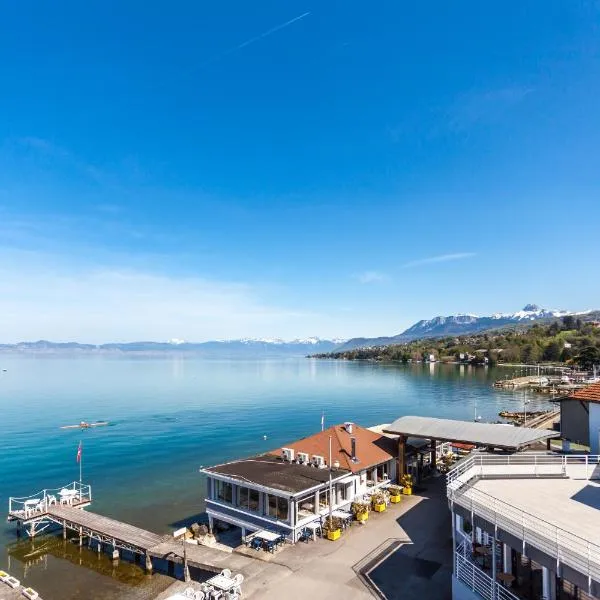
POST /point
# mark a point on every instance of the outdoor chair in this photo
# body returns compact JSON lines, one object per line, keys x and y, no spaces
{"x":51,"y":500}
{"x":226,"y":573}
{"x":238,"y":579}
{"x":199,"y":595}
{"x":189,"y":593}
{"x":271,"y":546}
{"x":305,"y":536}
{"x":256,"y":544}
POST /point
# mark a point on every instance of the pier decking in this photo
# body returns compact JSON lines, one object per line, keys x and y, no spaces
{"x":104,"y":529}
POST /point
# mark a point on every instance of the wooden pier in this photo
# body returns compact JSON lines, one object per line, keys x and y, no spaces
{"x":36,"y":513}
{"x":64,"y":507}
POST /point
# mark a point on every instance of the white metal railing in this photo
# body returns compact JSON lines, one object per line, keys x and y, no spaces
{"x":578,"y":553}
{"x":526,"y":464}
{"x":38,"y":503}
{"x":479,"y":581}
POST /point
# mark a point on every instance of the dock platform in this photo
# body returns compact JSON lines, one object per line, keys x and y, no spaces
{"x":104,"y":529}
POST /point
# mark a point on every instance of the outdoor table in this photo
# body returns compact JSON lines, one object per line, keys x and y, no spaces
{"x":29,"y":506}
{"x":266,"y":535}
{"x":506,"y":578}
{"x":68,"y":495}
{"x":222,"y":583}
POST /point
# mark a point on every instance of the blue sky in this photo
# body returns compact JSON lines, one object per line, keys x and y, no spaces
{"x":218,"y":170}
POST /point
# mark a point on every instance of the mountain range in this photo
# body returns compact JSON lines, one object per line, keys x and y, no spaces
{"x":455,"y":325}
{"x":243,"y":348}
{"x":460,"y":325}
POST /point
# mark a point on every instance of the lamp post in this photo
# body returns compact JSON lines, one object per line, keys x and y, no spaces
{"x":330,"y":486}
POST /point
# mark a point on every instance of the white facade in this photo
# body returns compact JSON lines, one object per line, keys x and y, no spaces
{"x":504,"y":499}
{"x":594,"y":409}
{"x":253,"y":507}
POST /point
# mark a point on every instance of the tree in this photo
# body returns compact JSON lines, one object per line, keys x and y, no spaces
{"x":566,"y":354}
{"x":568,"y":322}
{"x":588,"y":357}
{"x":530,"y":353}
{"x":552,"y":351}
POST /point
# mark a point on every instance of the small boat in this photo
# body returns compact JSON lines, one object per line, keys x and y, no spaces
{"x":84,"y":425}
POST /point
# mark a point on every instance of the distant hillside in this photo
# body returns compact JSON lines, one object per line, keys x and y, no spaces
{"x":569,"y":340}
{"x":461,"y":325}
{"x":244,"y":348}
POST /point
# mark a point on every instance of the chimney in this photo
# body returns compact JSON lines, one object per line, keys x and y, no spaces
{"x":348,"y":427}
{"x":353,"y":446}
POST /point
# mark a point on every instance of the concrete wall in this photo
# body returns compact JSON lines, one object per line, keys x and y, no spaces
{"x":594,"y":427}
{"x":574,"y":421}
{"x":461,"y":592}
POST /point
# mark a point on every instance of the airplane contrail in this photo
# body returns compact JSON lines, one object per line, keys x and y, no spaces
{"x":256,"y":38}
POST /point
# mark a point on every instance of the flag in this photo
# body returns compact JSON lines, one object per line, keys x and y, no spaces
{"x":79,"y":453}
{"x":322,"y":420}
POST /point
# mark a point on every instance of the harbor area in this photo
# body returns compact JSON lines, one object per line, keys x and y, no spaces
{"x":402,"y":552}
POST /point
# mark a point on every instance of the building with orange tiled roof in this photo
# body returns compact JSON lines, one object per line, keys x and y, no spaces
{"x":580,"y":417}
{"x":288,"y":489}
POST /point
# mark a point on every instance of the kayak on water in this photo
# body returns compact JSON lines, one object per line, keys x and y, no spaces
{"x":84,"y":425}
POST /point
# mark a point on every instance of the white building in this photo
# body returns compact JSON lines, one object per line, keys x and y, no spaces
{"x":289,"y":488}
{"x":525,"y":525}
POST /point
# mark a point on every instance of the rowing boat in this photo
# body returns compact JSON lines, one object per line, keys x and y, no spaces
{"x":84,"y":425}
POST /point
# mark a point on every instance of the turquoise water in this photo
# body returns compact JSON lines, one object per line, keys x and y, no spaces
{"x":169,"y":416}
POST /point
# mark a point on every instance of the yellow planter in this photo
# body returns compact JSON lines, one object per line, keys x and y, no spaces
{"x":334,"y":535}
{"x":362,"y":517}
{"x":407,"y":491}
{"x":395,"y":499}
{"x":379,"y":507}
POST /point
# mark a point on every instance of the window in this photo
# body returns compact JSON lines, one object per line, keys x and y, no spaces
{"x":278,"y":508}
{"x":249,"y":499}
{"x":223,"y":491}
{"x":382,"y":472}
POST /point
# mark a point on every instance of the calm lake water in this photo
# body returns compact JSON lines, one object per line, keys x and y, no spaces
{"x":169,"y":416}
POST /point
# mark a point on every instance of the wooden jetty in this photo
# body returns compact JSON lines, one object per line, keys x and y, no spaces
{"x":34,"y":514}
{"x":517,"y":382}
{"x":64,"y":507}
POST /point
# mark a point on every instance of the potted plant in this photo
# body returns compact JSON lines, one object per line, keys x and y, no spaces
{"x":406,"y":481}
{"x":332,"y":528}
{"x":395,"y":493}
{"x":378,"y":502}
{"x":360,"y":510}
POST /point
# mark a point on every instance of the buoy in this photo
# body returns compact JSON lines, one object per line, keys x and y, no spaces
{"x":264,"y":437}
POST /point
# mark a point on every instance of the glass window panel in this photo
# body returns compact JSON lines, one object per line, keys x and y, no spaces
{"x":244,"y":497}
{"x":253,"y":500}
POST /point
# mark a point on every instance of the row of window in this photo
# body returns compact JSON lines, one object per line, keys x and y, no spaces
{"x":249,"y":499}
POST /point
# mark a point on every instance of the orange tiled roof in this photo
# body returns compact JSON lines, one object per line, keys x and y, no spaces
{"x":371,"y":448}
{"x":590,"y":393}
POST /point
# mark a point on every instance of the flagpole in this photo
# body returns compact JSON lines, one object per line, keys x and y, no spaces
{"x":80,"y":460}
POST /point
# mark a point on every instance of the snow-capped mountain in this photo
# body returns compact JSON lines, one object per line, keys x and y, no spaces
{"x":241,"y":348}
{"x":461,"y":324}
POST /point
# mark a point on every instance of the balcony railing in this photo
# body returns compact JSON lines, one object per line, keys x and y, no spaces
{"x":479,"y":581}
{"x":38,"y":503}
{"x":568,"y":548}
{"x":527,"y":464}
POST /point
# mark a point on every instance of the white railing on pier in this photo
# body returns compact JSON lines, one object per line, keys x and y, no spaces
{"x":38,"y":503}
{"x":479,"y":581}
{"x":569,"y":549}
